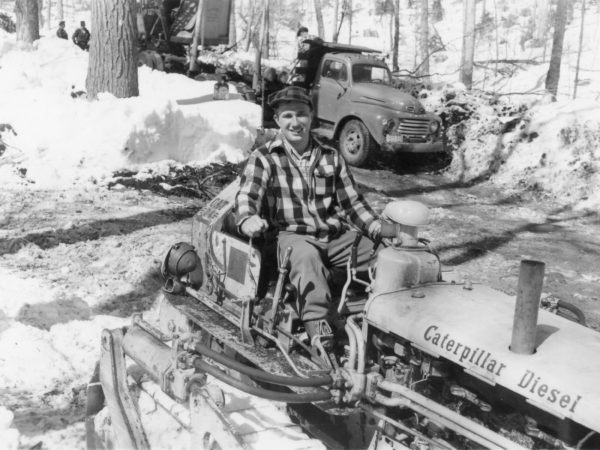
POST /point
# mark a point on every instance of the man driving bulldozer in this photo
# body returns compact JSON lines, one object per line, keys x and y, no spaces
{"x":303,"y":189}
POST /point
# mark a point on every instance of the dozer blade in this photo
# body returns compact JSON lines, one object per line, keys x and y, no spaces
{"x":125,"y":419}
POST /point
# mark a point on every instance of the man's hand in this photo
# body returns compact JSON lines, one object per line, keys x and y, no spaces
{"x":382,"y":229}
{"x":253,"y":226}
{"x":374,"y":230}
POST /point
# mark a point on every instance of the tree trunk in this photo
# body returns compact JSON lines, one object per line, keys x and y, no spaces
{"x":579,"y":49}
{"x":61,"y":10}
{"x":198,"y":27}
{"x":497,"y":39}
{"x":28,"y":26}
{"x":349,"y":3}
{"x":336,"y":6}
{"x":113,"y":49}
{"x":542,"y":16}
{"x":265,"y":41}
{"x":570,"y":14}
{"x":232,"y":27}
{"x":250,"y":27}
{"x":203,"y":25}
{"x":336,"y":35}
{"x":553,"y":75}
{"x":468,"y":44}
{"x":256,"y":78}
{"x":396,"y":44}
{"x":424,"y":41}
{"x":49,"y":15}
{"x":40,"y":14}
{"x":437,"y":12}
{"x":319,"y":14}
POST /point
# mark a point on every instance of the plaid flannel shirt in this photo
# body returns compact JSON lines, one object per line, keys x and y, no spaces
{"x":318,"y":204}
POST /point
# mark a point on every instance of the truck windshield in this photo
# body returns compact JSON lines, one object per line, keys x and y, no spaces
{"x":368,"y":73}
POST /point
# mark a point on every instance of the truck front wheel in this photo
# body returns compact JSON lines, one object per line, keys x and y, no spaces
{"x":356,"y":142}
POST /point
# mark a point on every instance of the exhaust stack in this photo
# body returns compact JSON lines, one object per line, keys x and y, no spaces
{"x":529,"y":290}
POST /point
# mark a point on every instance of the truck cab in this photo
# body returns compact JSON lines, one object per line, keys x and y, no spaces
{"x":356,"y":104}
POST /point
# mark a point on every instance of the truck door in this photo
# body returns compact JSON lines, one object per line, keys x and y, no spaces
{"x":331,"y":85}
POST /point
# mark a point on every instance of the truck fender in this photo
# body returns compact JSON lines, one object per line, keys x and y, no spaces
{"x":373,"y":124}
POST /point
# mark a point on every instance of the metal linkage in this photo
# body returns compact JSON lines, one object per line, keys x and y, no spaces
{"x":447,"y":418}
{"x":126,"y":421}
{"x":278,"y":294}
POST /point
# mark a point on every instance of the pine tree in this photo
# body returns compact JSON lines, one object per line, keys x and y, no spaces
{"x":232,"y":27}
{"x":553,"y":75}
{"x":319,"y":14}
{"x":28,"y":25}
{"x":468,"y":44}
{"x":113,"y":49}
{"x":424,"y":41}
{"x":396,"y":45}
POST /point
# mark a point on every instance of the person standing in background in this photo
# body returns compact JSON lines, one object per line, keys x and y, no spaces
{"x":301,"y":36}
{"x":61,"y":32}
{"x":81,"y":37}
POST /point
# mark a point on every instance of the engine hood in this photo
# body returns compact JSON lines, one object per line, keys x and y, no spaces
{"x":473,"y":328}
{"x":387,"y":96}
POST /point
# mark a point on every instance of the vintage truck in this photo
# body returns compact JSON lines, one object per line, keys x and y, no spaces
{"x":356,"y":104}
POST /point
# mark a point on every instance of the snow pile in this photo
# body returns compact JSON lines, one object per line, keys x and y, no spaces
{"x":559,"y":153}
{"x":8,"y":436}
{"x":65,"y":354}
{"x":523,"y":143}
{"x":478,"y":128}
{"x":45,"y":368}
{"x":62,"y":139}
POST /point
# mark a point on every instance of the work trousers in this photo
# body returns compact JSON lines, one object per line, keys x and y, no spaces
{"x":310,"y":264}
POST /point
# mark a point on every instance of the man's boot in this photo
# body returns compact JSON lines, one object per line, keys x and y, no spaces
{"x":319,"y":330}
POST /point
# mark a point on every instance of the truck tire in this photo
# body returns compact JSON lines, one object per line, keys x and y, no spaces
{"x":356,"y":142}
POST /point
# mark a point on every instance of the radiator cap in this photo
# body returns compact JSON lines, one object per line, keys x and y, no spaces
{"x":407,"y":212}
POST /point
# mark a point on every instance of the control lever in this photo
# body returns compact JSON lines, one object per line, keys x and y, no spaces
{"x":278,"y":294}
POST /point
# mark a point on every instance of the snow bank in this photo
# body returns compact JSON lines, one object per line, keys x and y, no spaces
{"x":21,"y":291}
{"x":8,"y":436}
{"x":63,"y":139}
{"x":39,"y":361}
{"x":561,"y":153}
{"x":523,"y":144}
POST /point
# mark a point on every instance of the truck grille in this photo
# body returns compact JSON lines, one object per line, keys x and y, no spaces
{"x":413,"y":127}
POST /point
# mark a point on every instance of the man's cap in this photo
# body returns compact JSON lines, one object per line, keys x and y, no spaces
{"x":82,"y":23}
{"x":62,"y":22}
{"x":301,"y":30}
{"x":290,"y":94}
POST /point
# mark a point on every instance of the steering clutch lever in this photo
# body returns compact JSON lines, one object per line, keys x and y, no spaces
{"x":354,"y":250}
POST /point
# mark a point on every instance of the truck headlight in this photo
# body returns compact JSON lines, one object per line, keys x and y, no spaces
{"x":389,"y":126}
{"x":434,"y":126}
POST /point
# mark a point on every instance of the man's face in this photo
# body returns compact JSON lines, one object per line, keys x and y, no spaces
{"x":293,"y":118}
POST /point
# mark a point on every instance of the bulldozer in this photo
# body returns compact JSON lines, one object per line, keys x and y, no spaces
{"x":170,"y":31}
{"x":420,"y":358}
